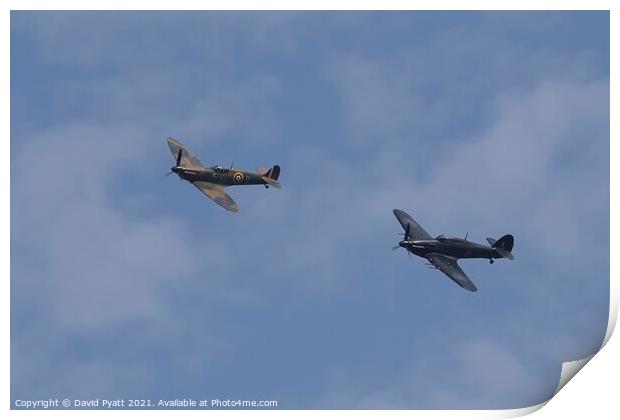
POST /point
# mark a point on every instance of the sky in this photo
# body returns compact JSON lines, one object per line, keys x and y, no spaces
{"x":129,"y":284}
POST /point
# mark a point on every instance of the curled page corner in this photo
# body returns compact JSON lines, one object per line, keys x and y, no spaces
{"x":519,"y":412}
{"x":570,"y":369}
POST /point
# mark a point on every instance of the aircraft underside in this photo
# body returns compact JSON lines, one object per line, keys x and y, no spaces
{"x":457,"y":253}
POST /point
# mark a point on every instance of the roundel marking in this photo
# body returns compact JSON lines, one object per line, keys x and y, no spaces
{"x":238,"y":177}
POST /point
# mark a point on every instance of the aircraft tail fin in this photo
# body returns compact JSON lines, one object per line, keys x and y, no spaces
{"x":503,"y":246}
{"x":273,"y":172}
{"x":505,"y":242}
{"x":271,"y":176}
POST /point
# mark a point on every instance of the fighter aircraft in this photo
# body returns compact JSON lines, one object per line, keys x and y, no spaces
{"x":443,"y":252}
{"x":212,"y":180}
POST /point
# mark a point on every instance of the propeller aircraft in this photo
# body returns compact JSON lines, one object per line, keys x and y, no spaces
{"x":443,"y":252}
{"x":211,"y":181}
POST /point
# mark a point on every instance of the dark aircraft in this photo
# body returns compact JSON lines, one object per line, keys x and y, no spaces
{"x":443,"y":252}
{"x":211,"y":181}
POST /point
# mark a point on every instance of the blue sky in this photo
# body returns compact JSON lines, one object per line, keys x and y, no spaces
{"x":129,"y":284}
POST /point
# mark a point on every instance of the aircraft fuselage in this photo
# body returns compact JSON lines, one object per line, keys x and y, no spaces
{"x":454,"y":247}
{"x":218,"y":175}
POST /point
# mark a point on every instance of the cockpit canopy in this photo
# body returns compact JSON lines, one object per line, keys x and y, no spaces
{"x":443,"y":238}
{"x":217,"y":168}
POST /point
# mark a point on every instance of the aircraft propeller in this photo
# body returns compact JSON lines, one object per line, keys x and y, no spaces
{"x":406,"y":234}
{"x":405,"y":238}
{"x":179,"y":156}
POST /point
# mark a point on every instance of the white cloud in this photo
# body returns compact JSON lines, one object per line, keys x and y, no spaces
{"x":106,"y":261}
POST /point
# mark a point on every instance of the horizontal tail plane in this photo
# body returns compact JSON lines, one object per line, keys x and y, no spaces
{"x":270,"y":176}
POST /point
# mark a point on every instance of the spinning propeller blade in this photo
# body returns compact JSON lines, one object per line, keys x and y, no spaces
{"x":406,"y":238}
{"x":179,"y":155}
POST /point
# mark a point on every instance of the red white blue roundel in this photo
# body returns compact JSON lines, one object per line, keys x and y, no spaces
{"x":238,"y":177}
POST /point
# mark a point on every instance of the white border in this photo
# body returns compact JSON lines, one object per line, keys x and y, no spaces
{"x":595,"y":386}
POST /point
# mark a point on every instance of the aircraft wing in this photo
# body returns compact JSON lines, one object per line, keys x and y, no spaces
{"x":450,"y":268}
{"x":415,"y":231}
{"x":188,"y":160}
{"x":216,"y":193}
